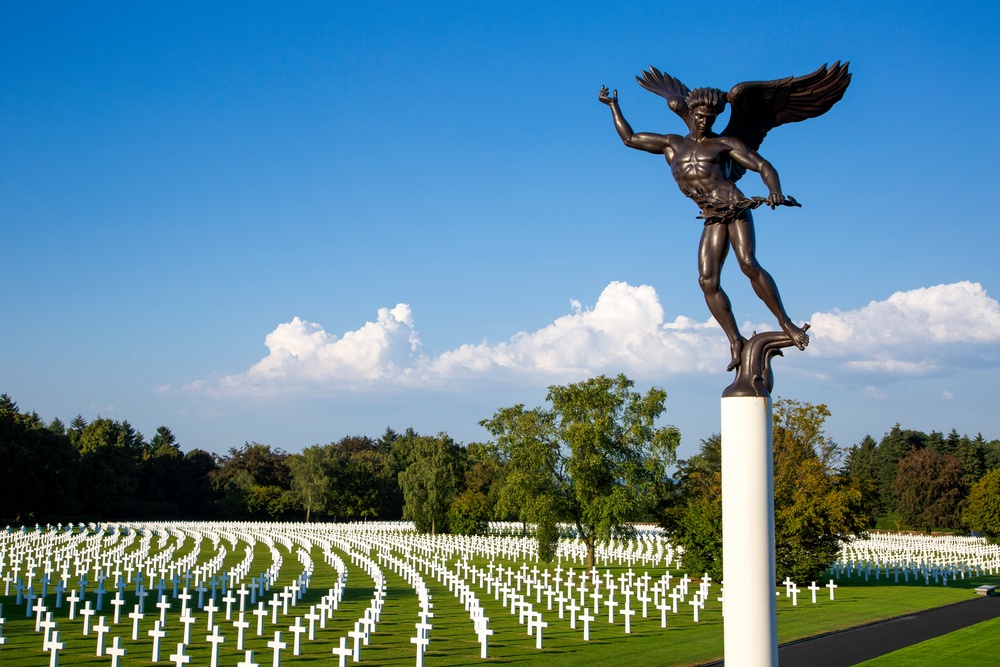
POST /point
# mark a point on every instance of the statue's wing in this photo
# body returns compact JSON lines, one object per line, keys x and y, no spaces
{"x":668,"y":87}
{"x":759,"y":106}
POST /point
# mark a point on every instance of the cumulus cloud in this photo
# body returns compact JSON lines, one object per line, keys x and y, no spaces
{"x":909,"y":334}
{"x":913,"y":333}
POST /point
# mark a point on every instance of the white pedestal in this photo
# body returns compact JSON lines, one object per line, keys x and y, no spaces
{"x":750,"y":624}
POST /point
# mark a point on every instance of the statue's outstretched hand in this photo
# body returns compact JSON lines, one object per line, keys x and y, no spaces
{"x":608,"y":99}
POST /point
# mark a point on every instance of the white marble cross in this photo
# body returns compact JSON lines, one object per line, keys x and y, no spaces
{"x":539,"y":624}
{"x":297,"y":629}
{"x":163,"y":606}
{"x":188,"y":620}
{"x":101,"y":629}
{"x":586,"y":618}
{"x":421,"y":643}
{"x":73,"y":598}
{"x":483,"y":632}
{"x":663,"y":607}
{"x":178,"y":658}
{"x":136,"y":617}
{"x":211,"y":609}
{"x":312,"y":617}
{"x":278,"y":646}
{"x":358,"y":635}
{"x":573,"y":608}
{"x":116,"y":652}
{"x":216,"y":640}
{"x":39,"y":608}
{"x":118,"y":602}
{"x":611,"y":603}
{"x":628,"y":614}
{"x":343,"y":652}
{"x":48,"y":625}
{"x":241,"y":626}
{"x":53,"y":646}
{"x":157,"y":633}
{"x":261,"y":614}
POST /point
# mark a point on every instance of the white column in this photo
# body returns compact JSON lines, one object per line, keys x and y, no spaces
{"x":750,"y":624}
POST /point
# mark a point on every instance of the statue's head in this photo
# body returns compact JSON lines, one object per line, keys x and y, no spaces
{"x":703,"y":106}
{"x":713,"y":98}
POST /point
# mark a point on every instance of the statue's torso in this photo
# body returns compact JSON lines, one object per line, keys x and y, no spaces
{"x":701,"y":168}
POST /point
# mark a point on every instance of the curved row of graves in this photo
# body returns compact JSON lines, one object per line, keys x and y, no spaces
{"x":267,"y":593}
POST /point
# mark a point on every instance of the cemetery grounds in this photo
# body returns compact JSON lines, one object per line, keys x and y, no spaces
{"x":250,"y":594}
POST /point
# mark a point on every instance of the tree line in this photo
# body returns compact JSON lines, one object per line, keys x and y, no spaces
{"x":593,"y":460}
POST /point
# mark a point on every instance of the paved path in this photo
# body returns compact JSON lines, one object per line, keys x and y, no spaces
{"x":849,"y":647}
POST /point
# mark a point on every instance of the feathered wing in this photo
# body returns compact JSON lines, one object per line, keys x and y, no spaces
{"x":668,"y":87}
{"x":759,"y":106}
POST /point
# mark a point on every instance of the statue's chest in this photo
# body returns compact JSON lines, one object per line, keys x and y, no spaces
{"x":698,"y":161}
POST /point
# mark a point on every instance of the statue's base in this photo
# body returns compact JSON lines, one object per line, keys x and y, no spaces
{"x":754,"y":376}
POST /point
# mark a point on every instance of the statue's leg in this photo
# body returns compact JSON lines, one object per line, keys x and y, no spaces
{"x":712,"y":253}
{"x":744,"y":242}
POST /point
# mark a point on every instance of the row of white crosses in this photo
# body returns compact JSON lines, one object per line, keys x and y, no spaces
{"x":158,"y":633}
{"x":792,"y":590}
{"x":462,"y":578}
{"x":937,"y":558}
{"x":205,"y":591}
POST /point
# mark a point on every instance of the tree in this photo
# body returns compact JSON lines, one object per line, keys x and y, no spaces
{"x":982,"y":511}
{"x":815,"y":506}
{"x":694,"y":518}
{"x":973,"y":459}
{"x":431,"y":481}
{"x":365,"y":478}
{"x":593,"y":459}
{"x":252,"y":480}
{"x":929,"y":487}
{"x":991,"y":452}
{"x":310,"y":472}
{"x":110,"y":455}
{"x":164,"y":439}
{"x":40,"y":467}
{"x":473,"y":508}
{"x":859,"y":463}
{"x":894,"y":445}
{"x":469,"y":513}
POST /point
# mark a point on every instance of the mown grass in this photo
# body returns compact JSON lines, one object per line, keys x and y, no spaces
{"x":969,"y":647}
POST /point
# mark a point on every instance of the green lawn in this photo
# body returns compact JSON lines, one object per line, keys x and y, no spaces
{"x":976,"y":645}
{"x":453,"y":642}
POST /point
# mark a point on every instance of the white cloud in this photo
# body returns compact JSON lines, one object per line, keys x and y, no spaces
{"x":916,"y":333}
{"x":947,"y":395}
{"x":956,"y":313}
{"x":913,"y":333}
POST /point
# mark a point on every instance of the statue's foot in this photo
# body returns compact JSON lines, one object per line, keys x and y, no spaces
{"x":737,"y":350}
{"x":799,"y":337}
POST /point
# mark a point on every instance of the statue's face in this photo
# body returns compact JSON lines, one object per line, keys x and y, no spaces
{"x":702,"y":119}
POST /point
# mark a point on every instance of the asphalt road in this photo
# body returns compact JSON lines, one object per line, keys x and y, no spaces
{"x":854,"y":645}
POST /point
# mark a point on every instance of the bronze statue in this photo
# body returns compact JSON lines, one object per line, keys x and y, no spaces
{"x":706,"y":167}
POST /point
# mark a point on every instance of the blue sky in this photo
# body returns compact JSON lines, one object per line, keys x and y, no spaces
{"x":291,"y":224}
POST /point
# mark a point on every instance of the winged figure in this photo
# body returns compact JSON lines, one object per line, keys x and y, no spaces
{"x":706,"y":167}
